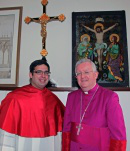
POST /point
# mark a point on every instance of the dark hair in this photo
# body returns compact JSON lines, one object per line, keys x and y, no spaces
{"x":115,"y":39}
{"x":50,"y":84}
{"x":99,"y":27}
{"x":38,"y":62}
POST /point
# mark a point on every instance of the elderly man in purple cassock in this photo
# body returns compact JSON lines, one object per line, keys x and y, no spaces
{"x":93,"y":118}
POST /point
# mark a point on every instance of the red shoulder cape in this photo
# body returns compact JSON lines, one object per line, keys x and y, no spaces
{"x":30,"y":112}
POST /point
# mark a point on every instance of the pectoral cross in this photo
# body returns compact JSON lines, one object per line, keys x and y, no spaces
{"x":79,"y":127}
{"x":43,"y":20}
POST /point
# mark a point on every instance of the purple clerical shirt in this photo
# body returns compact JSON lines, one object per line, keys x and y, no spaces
{"x":103,"y":119}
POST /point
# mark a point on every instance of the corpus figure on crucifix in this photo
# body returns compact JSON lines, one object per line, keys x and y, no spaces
{"x":43,"y":20}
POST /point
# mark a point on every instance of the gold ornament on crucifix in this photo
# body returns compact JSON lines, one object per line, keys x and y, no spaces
{"x":43,"y":20}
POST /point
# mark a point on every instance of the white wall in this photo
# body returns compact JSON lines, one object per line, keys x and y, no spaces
{"x":59,"y":40}
{"x":59,"y":35}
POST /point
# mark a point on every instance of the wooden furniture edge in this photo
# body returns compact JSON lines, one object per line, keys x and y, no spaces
{"x":62,"y":89}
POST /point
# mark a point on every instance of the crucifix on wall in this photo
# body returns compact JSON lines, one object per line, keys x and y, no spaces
{"x":43,"y":20}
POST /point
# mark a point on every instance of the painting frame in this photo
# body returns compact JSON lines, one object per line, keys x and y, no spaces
{"x":81,"y":24}
{"x":10,"y":39}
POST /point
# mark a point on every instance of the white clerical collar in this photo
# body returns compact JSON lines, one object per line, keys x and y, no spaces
{"x":86,"y":92}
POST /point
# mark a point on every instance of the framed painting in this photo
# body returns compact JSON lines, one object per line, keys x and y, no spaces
{"x":10,"y":36}
{"x":101,"y":36}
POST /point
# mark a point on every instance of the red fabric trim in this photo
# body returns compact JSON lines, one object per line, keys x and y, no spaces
{"x":117,"y":145}
{"x":66,"y":141}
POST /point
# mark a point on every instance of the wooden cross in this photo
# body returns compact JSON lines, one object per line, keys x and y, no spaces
{"x":43,"y":20}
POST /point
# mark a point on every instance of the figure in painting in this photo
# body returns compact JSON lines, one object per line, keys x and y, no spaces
{"x":100,"y":45}
{"x":114,"y":59}
{"x":84,"y":48}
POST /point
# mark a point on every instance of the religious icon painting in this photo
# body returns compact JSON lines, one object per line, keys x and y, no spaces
{"x":101,"y":37}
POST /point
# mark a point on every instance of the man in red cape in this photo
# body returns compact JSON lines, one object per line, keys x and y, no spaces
{"x":33,"y":111}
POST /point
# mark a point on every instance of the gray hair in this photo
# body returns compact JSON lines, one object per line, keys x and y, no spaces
{"x":86,"y":60}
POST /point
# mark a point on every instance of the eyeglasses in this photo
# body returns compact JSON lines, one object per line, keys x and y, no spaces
{"x":86,"y":73}
{"x":40,"y":72}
